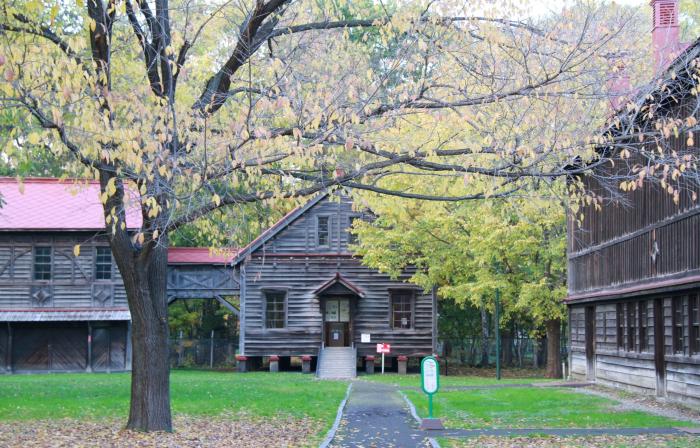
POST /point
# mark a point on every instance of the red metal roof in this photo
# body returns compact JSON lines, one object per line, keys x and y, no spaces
{"x":44,"y":204}
{"x":199,"y":255}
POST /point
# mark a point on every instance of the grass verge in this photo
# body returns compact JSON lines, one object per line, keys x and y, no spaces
{"x":193,"y":393}
{"x":533,"y":408}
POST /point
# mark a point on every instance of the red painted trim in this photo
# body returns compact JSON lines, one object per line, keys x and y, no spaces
{"x":241,"y":358}
{"x":369,"y":358}
{"x":403,"y":358}
{"x":646,"y":287}
{"x":274,"y":358}
{"x":306,"y":357}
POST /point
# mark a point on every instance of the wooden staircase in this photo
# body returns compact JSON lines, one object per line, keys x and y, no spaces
{"x":337,"y":363}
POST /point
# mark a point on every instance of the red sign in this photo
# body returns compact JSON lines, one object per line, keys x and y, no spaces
{"x":383,"y":348}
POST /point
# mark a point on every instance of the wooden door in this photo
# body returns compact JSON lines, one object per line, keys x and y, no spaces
{"x":337,"y":334}
{"x":659,"y":351}
{"x":337,"y":322}
{"x":590,"y":342}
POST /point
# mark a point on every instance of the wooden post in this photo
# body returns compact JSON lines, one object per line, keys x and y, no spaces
{"x":180,"y":349}
{"x":211,"y":350}
{"x":88,"y":364}
{"x":128,"y":345}
{"x":8,"y":355}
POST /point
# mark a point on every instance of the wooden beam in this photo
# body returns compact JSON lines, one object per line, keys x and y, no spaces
{"x":241,"y":318}
{"x":227,"y":305}
{"x":88,"y":364}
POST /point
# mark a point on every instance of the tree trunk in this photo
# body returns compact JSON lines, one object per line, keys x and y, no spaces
{"x":484,"y":337}
{"x":553,"y":328}
{"x":144,"y":273}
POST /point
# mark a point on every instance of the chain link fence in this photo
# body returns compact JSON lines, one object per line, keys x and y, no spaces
{"x":203,"y":352}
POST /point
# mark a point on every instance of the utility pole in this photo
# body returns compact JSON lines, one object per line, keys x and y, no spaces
{"x":498,"y":334}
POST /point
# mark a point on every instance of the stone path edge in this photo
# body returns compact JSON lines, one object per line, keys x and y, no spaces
{"x":330,"y":435}
{"x":431,"y":440}
{"x":412,"y":408}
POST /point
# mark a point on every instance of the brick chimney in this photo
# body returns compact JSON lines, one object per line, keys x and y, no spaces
{"x":665,"y":34}
{"x":619,"y":85}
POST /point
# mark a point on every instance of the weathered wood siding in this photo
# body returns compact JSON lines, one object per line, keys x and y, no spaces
{"x":293,"y":261}
{"x":635,"y":369}
{"x":72,"y":283}
{"x":637,"y":236}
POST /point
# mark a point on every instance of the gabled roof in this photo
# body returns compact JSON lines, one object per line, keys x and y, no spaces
{"x":278,"y":227}
{"x":338,"y":279}
{"x":50,"y":204}
{"x":199,"y":255}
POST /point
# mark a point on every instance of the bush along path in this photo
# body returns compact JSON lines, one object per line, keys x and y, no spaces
{"x":378,"y":415}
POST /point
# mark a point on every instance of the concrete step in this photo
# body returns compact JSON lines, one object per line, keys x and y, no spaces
{"x":337,"y":363}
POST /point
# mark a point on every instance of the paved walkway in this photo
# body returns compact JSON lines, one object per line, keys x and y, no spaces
{"x":377,"y":416}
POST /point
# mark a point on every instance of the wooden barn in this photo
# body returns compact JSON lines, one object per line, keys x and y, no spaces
{"x":634,"y":266}
{"x":302,"y":292}
{"x":62,"y":312}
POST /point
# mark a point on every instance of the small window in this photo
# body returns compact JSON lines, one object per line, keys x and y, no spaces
{"x":322,"y":231}
{"x":103,"y":263}
{"x":620,"y":321}
{"x":42,"y":263}
{"x":631,"y":330}
{"x":695,"y":324}
{"x":643,"y":314}
{"x":402,"y":309}
{"x":678,"y":336}
{"x":275,"y":310}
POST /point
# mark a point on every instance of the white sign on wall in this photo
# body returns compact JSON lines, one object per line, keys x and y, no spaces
{"x":365,"y":338}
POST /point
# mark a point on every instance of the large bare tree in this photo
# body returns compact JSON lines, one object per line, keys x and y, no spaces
{"x":182,"y":108}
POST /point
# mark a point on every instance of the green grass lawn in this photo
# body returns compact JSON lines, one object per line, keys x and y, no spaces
{"x":413,"y":380}
{"x":532,"y":408}
{"x":193,"y":393}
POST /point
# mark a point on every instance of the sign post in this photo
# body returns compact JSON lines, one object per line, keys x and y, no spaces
{"x":383,"y":348}
{"x":430,"y":383}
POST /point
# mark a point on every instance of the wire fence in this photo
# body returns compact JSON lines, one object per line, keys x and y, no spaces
{"x":521,"y":352}
{"x":203,"y":352}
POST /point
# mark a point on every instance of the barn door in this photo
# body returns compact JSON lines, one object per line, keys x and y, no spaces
{"x":590,"y":343}
{"x":659,"y":352}
{"x":108,"y":348}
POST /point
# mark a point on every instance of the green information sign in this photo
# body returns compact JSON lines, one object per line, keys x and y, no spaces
{"x":430,"y":379}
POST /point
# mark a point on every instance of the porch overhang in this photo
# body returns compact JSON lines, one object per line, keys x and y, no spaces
{"x":64,"y":315}
{"x":339,"y":285}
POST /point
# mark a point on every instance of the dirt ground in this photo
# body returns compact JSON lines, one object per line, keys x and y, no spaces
{"x":189,"y":432}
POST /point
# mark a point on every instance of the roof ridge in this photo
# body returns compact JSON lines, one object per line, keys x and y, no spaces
{"x":47,"y":180}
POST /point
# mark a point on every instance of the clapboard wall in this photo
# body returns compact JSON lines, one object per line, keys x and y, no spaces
{"x":72,"y":284}
{"x":634,"y":369}
{"x":294,"y":262}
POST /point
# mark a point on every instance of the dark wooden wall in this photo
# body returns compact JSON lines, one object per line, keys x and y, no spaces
{"x":637,"y":236}
{"x":634,"y":369}
{"x":72,"y":284}
{"x":63,"y":347}
{"x":292,"y":261}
